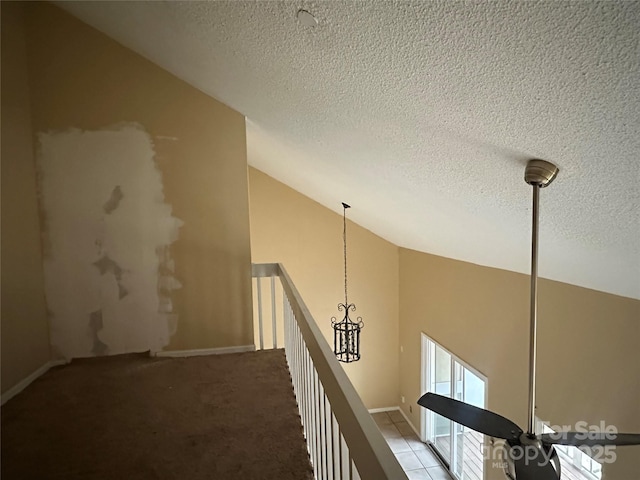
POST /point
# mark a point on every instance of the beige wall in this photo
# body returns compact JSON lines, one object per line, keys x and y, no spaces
{"x":289,"y":228}
{"x":81,"y":79}
{"x":588,"y":364}
{"x":83,"y":85}
{"x":25,"y":336}
{"x":587,"y":367}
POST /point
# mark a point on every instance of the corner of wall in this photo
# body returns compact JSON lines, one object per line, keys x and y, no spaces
{"x":25,"y":331}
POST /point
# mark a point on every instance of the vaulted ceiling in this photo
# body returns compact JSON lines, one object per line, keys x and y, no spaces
{"x":422,"y":116}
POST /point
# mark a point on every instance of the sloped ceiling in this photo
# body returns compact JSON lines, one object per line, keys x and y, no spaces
{"x":422,"y":116}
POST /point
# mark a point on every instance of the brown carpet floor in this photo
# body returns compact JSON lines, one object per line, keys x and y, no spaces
{"x":133,"y":417}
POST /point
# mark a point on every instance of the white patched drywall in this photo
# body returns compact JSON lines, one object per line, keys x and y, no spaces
{"x":107,"y":232}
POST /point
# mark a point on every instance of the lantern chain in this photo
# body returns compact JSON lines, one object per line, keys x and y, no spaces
{"x":344,"y":238}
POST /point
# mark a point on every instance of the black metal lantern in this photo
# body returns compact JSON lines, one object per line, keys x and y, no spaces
{"x":346,"y":332}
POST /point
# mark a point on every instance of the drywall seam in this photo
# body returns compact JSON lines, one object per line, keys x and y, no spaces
{"x":108,"y":269}
{"x":25,"y":382}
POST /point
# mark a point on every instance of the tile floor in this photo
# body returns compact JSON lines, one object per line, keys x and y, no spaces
{"x":416,"y":459}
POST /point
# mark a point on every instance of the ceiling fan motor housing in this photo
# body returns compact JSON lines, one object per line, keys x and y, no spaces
{"x":524,"y":442}
{"x":540,"y":172}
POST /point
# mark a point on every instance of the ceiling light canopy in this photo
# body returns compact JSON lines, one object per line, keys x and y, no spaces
{"x":306,"y":18}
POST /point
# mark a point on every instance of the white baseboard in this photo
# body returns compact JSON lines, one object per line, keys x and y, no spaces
{"x":417,"y":432}
{"x":25,"y":382}
{"x":204,"y":351}
{"x":383,"y":409}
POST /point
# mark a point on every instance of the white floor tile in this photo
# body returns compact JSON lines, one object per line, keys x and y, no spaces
{"x":427,"y":458}
{"x":415,"y":443}
{"x":408,"y":461}
{"x":438,"y":473}
{"x":390,"y":431}
{"x":418,"y":475}
{"x":414,"y":456}
{"x":405,"y":428}
{"x":382,"y":418}
{"x":396,"y":416}
{"x":399,"y":445}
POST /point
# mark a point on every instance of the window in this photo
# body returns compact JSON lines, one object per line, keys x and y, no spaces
{"x":445,"y":374}
{"x":575,"y":464}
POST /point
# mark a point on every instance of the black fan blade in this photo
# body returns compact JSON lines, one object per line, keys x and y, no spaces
{"x":478,"y":419}
{"x":590,"y":439}
{"x":532,"y":463}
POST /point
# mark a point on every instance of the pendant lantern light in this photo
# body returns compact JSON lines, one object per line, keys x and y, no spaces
{"x":346,"y":332}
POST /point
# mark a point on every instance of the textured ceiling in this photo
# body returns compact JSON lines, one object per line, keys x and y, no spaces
{"x":422,"y":115}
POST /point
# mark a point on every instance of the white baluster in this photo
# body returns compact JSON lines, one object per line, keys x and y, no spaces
{"x":260,"y":313}
{"x":273,"y":312}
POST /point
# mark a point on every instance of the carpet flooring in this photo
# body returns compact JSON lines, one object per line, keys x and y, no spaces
{"x":221,"y":417}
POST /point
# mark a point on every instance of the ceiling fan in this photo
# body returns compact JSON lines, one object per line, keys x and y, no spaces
{"x":529,"y":456}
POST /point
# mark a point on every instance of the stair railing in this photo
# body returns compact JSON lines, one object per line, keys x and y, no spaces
{"x":344,"y":442}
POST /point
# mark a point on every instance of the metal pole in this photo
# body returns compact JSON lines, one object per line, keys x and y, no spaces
{"x":534,"y":313}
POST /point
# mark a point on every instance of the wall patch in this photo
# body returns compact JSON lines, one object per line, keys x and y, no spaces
{"x":109,"y":232}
